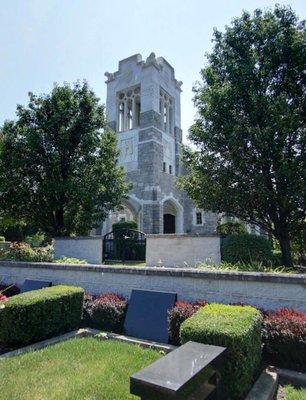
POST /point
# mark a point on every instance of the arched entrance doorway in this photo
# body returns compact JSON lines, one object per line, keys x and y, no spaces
{"x":169,"y":223}
{"x":172,"y":216}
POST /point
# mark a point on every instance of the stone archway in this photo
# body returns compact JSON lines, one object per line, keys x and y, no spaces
{"x":172,"y":216}
{"x":131,"y":210}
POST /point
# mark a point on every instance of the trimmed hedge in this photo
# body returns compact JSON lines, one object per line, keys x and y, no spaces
{"x":37,"y":315}
{"x":123,"y":225}
{"x":247,"y":249}
{"x":238,"y":329}
{"x":284,"y":338}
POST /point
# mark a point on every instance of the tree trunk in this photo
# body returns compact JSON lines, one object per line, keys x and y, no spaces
{"x":286,"y":250}
{"x":59,"y":222}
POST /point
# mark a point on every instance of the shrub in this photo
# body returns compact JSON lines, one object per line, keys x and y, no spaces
{"x":9,"y":290}
{"x":69,"y":260}
{"x":87,"y":310}
{"x":35,"y":240}
{"x":37,"y":315}
{"x":247,"y":249}
{"x":118,"y":226}
{"x":2,"y":239}
{"x":284,"y":338}
{"x":231,"y":228}
{"x":236,"y":328}
{"x":108,"y":312}
{"x":177,"y":315}
{"x":21,"y":251}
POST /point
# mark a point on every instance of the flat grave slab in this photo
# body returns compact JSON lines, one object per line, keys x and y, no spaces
{"x":188,"y":372}
{"x":32,"y":284}
{"x":146,"y":316}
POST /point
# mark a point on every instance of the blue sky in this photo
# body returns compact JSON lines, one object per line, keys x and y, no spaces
{"x":47,"y":41}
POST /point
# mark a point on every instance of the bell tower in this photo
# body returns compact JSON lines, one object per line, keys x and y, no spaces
{"x":143,"y":108}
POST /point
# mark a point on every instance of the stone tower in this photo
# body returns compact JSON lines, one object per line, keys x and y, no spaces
{"x":143,"y":108}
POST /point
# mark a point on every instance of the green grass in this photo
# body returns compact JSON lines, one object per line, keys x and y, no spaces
{"x":87,"y":369}
{"x":128,"y":262}
{"x":294,"y":394}
{"x":225,"y":266}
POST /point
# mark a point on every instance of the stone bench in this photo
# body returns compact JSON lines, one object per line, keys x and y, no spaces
{"x":189,"y":372}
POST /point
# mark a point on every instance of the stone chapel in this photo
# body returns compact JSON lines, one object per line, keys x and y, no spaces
{"x":143,"y":108}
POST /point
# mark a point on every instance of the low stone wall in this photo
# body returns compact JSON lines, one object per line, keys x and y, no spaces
{"x":88,"y":248}
{"x":265,"y":290}
{"x":5,"y":245}
{"x":182,"y":250}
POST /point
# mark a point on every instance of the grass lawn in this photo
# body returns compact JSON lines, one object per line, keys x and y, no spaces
{"x":294,"y":394}
{"x":87,"y":369}
{"x":128,"y":263}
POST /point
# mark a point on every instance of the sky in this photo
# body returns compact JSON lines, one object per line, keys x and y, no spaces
{"x":47,"y":41}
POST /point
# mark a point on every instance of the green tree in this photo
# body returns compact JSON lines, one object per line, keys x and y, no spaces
{"x":249,"y":133}
{"x":58,"y":162}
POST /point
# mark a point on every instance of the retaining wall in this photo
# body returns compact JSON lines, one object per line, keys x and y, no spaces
{"x":88,"y":248}
{"x":265,"y":290}
{"x":182,"y":250}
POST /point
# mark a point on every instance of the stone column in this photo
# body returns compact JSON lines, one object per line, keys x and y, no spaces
{"x":134,"y":124}
{"x":125,"y":115}
{"x":162,"y":113}
{"x":167,"y":118}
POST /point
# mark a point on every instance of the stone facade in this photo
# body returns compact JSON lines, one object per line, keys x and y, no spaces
{"x":143,"y":108}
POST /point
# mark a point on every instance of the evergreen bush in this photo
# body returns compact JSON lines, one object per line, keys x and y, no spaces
{"x":238,"y":328}
{"x":247,"y":249}
{"x":40,"y":314}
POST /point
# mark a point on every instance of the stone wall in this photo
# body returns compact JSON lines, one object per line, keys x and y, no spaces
{"x":89,"y":248}
{"x":182,"y":250}
{"x":265,"y":290}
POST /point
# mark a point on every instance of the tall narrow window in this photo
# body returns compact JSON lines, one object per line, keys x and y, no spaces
{"x":166,"y":111}
{"x":170,"y":169}
{"x":164,"y":166}
{"x":199,"y":218}
{"x":121,"y":117}
{"x":129,"y":109}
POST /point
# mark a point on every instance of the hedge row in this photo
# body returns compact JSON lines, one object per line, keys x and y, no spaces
{"x":37,"y":315}
{"x":248,"y":249}
{"x":238,"y":328}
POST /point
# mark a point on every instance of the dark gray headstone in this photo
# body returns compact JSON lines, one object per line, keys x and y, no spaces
{"x":31,"y":284}
{"x":146,"y":316}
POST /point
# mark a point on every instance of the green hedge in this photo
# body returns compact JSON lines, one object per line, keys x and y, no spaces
{"x":238,"y":329}
{"x":118,"y":226}
{"x":37,"y":315}
{"x":247,"y":249}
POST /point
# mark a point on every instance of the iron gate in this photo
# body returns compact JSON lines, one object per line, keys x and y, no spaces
{"x":124,"y":245}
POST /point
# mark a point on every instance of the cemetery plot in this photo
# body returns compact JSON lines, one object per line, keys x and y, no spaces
{"x":76,"y":369}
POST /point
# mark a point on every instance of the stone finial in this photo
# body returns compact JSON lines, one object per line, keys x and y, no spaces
{"x":152,"y":60}
{"x":109,"y":76}
{"x":178,"y":84}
